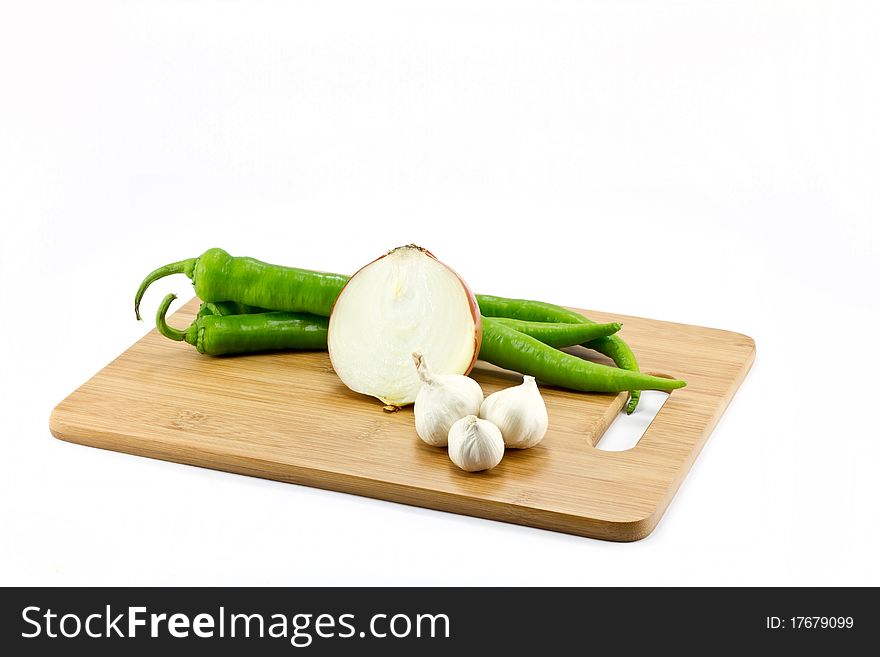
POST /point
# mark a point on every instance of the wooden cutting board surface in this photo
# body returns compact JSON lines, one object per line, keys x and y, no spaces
{"x":286,"y":416}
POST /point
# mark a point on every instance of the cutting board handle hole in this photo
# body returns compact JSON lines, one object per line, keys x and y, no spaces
{"x":626,"y":431}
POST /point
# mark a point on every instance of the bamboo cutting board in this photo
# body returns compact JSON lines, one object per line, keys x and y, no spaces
{"x":286,"y":416}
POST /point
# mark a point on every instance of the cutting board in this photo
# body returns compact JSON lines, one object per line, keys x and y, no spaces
{"x":286,"y":416}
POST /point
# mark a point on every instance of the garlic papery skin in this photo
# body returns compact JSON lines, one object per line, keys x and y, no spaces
{"x":519,"y":412}
{"x":442,"y":400}
{"x":475,"y":444}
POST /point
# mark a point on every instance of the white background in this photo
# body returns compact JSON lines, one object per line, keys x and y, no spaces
{"x":713,"y":163}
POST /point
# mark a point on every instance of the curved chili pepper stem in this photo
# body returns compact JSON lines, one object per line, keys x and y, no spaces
{"x":183,"y":267}
{"x":162,"y":325}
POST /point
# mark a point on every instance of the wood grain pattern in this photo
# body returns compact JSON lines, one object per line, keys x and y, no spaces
{"x":286,"y":416}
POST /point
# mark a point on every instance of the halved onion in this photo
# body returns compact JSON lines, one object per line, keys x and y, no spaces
{"x":405,"y":301}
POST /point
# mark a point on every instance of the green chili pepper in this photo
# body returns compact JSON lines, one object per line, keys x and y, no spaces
{"x":559,"y":334}
{"x":217,"y":276}
{"x":504,"y":344}
{"x":553,"y":334}
{"x":512,"y":350}
{"x":216,"y":334}
{"x":228,"y":308}
{"x":612,"y":346}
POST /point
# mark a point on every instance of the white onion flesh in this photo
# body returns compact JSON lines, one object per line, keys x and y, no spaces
{"x":403,"y":302}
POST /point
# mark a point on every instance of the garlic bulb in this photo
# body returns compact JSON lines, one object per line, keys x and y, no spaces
{"x":475,"y":444}
{"x":519,"y":413}
{"x":442,"y":400}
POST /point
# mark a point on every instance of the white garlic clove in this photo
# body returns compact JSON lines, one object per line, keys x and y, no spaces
{"x":442,"y":400}
{"x":475,"y":444}
{"x":519,"y":412}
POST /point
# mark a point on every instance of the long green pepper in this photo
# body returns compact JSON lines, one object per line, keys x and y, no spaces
{"x":552,"y":334}
{"x":217,"y":334}
{"x":612,"y":346}
{"x":512,"y":350}
{"x":228,"y":308}
{"x":218,"y":276}
{"x":559,"y":334}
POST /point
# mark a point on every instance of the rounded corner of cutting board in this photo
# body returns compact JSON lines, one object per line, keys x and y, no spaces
{"x":630,"y":531}
{"x":57,"y":426}
{"x":745,"y":341}
{"x":740,"y":341}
